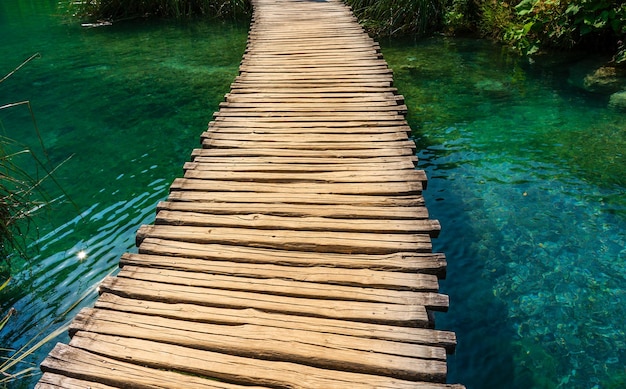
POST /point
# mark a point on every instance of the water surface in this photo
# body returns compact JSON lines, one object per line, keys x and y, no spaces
{"x":527,"y":175}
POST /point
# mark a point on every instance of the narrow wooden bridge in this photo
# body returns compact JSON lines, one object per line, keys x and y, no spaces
{"x":296,"y":251}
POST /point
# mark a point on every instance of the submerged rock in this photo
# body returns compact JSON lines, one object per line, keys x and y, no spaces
{"x":598,"y":77}
{"x":493,"y":88}
{"x":618,"y":100}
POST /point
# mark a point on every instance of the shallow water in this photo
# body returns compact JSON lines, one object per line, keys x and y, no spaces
{"x":527,"y":175}
{"x":119,"y":108}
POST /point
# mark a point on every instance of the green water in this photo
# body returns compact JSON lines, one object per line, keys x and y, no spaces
{"x":120,"y":109}
{"x":526,"y":175}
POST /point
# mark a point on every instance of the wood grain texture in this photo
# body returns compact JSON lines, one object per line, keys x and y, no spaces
{"x":408,"y":361}
{"x":228,"y":316}
{"x":196,"y":204}
{"x":353,"y":277}
{"x":428,"y":263}
{"x":390,"y":314}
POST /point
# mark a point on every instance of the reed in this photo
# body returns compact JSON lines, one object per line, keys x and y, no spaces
{"x":386,"y":18}
{"x":21,"y":195}
{"x":18,"y":191}
{"x":115,"y":10}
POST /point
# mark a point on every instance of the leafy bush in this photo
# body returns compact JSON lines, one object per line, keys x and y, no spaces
{"x":496,"y":18}
{"x":531,"y":25}
{"x":562,"y":24}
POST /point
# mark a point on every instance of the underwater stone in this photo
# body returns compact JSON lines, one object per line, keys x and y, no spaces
{"x":593,"y":76}
{"x":618,"y":100}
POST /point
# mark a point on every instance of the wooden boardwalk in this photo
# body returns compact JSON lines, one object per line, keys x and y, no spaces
{"x":296,"y":250}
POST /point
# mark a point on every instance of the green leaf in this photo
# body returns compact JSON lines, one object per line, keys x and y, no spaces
{"x":527,"y":27}
{"x":532,"y":50}
{"x":601,"y":20}
{"x":524,"y":7}
{"x":572,"y":9}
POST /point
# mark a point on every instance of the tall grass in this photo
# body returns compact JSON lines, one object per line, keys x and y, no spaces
{"x":20,"y":191}
{"x":21,"y":196}
{"x":114,"y":10}
{"x":399,"y":17}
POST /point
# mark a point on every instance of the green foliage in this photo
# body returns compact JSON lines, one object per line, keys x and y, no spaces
{"x":399,"y":17}
{"x":457,"y":16}
{"x":113,"y":10}
{"x":495,"y":18}
{"x":565,"y":24}
{"x":532,"y":25}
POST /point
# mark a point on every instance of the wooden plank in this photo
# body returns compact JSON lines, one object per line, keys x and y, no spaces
{"x":401,"y":162}
{"x":428,"y":263}
{"x":295,"y":145}
{"x":304,"y":128}
{"x":313,"y":88}
{"x":226,"y":316}
{"x":267,"y":222}
{"x":308,"y":108}
{"x":330,"y":351}
{"x":320,"y":78}
{"x":353,"y":125}
{"x":349,"y":188}
{"x":294,"y":165}
{"x":272,"y":152}
{"x":316,"y":70}
{"x":358,"y":57}
{"x":329,"y":65}
{"x":328,"y":116}
{"x":390,"y":314}
{"x":348,"y":277}
{"x":377,"y":139}
{"x":297,"y":47}
{"x":356,"y":120}
{"x":56,"y":381}
{"x":362,"y":177}
{"x":336,"y":242}
{"x":292,"y":210}
{"x":233,"y":368}
{"x":340,"y":200}
{"x":289,"y":288}
{"x":390,"y":98}
{"x":86,"y":366}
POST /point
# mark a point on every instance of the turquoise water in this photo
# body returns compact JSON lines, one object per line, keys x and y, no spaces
{"x":120,"y":108}
{"x":527,"y":175}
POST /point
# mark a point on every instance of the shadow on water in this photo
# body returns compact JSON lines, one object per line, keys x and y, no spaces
{"x":526,"y":177}
{"x":485,"y":347}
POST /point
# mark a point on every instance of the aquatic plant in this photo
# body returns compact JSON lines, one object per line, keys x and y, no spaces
{"x":17,"y":190}
{"x":21,"y":195}
{"x":399,"y":17}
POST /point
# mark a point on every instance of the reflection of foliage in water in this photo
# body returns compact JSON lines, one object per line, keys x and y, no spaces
{"x":537,"y":169}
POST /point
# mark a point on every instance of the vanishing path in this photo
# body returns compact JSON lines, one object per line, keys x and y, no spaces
{"x":296,"y":250}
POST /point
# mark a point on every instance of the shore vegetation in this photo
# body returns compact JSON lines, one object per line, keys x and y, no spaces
{"x":528,"y":26}
{"x":116,"y":10}
{"x":531,"y":26}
